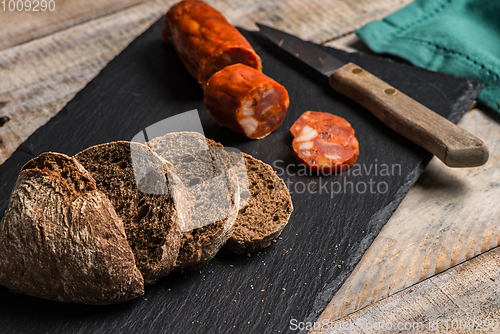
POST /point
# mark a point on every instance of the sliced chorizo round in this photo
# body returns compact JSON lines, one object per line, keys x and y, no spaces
{"x":324,"y":142}
{"x":246,"y":101}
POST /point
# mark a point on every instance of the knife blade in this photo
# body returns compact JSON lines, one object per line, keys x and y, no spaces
{"x":447,"y":141}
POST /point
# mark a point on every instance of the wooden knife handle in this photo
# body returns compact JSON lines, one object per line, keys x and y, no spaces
{"x":451,"y":144}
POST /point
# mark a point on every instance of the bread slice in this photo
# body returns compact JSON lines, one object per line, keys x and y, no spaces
{"x":147,"y":208}
{"x":61,"y":239}
{"x":212,"y":194}
{"x":266,"y":212}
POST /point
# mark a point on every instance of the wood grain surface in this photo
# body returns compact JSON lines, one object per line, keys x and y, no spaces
{"x":462,"y":300}
{"x":18,"y":27}
{"x":448,"y":217}
{"x":325,"y":19}
{"x":40,"y":77}
{"x":62,"y":53}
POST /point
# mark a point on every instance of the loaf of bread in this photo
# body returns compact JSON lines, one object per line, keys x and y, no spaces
{"x":147,"y":207}
{"x":96,"y":227}
{"x":61,"y":239}
{"x":212,"y":193}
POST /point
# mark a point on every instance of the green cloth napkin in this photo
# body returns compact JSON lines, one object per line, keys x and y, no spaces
{"x":460,"y":37}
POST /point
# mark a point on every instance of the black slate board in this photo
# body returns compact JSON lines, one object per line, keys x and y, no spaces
{"x":295,"y":277}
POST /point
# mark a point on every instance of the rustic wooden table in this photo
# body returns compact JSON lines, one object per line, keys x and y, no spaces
{"x":435,"y":260}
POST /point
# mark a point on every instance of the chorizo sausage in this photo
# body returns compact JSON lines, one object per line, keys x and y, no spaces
{"x":324,"y":142}
{"x":205,"y":41}
{"x":246,"y":101}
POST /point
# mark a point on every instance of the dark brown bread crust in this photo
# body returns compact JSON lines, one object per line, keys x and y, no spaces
{"x":182,"y":149}
{"x":267,"y":212}
{"x":151,"y":220}
{"x":61,"y":239}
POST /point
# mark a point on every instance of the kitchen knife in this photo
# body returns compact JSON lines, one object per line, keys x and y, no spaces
{"x":451,"y":144}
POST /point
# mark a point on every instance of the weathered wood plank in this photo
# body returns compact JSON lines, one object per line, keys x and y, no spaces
{"x":40,"y":77}
{"x":349,"y":43}
{"x":315,"y":20}
{"x":463,"y":296}
{"x":17,"y":27}
{"x":448,"y":217}
{"x":325,"y":19}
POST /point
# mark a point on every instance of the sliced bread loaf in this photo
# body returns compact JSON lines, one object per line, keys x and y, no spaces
{"x":61,"y":239}
{"x":147,"y":207}
{"x":265,"y":202}
{"x":212,"y":194}
{"x":266,"y":212}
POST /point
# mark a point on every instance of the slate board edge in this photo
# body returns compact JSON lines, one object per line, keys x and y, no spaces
{"x":378,"y":221}
{"x":383,"y":216}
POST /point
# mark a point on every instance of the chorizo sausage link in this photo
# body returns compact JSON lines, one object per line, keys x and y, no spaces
{"x":205,"y":41}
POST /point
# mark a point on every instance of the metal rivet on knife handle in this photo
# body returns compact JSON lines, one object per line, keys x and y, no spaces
{"x":357,"y":70}
{"x":390,"y":91}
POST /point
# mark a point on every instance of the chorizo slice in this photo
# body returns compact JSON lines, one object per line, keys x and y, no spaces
{"x":246,"y":101}
{"x":324,"y":142}
{"x":205,"y":41}
{"x":307,"y":117}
